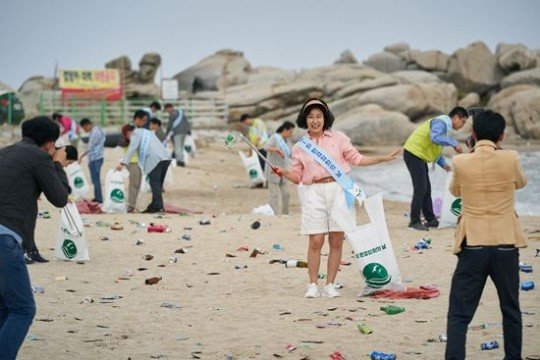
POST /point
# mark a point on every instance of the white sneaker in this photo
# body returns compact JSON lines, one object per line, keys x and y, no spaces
{"x":312,"y":291}
{"x":330,"y":291}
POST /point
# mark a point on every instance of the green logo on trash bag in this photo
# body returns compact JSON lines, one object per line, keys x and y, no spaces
{"x":376,"y":275}
{"x":69,"y":249}
{"x":78,"y":182}
{"x":117,"y":196}
{"x":455,"y":209}
{"x":253,"y":174}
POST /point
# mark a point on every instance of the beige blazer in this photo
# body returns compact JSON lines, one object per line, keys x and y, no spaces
{"x":486,"y":181}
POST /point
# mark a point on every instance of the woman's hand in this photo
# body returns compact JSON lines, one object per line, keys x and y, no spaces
{"x":394,"y":154}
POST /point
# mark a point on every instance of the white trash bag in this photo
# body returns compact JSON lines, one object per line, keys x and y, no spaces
{"x":372,"y":247}
{"x":253,"y":168}
{"x":115,"y":199}
{"x":77,"y":181}
{"x":263,"y":210}
{"x":169,"y":180}
{"x":71,"y":243}
{"x":189,"y":146}
{"x":451,"y":207}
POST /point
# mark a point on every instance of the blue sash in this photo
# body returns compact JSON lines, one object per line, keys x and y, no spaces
{"x":143,"y":148}
{"x":352,"y":190}
{"x":283,"y":145}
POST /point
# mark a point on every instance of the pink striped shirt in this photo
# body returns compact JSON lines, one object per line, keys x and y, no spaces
{"x":334,"y":143}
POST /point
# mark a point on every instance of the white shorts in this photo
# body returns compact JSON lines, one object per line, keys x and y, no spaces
{"x":318,"y":201}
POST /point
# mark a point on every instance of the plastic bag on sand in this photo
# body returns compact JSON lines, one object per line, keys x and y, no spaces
{"x":77,"y":181}
{"x":264,"y":210}
{"x":423,"y":292}
{"x":372,"y":247}
{"x":71,"y":243}
{"x":451,"y":207}
{"x":115,"y":199}
{"x":253,"y":168}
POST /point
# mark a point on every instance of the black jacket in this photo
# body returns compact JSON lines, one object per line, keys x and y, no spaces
{"x":25,"y":172}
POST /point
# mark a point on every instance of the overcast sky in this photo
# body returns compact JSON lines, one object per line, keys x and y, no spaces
{"x":286,"y":33}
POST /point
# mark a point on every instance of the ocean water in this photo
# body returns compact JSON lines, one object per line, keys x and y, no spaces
{"x":394,"y":181}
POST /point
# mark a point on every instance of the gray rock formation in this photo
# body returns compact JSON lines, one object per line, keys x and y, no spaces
{"x":224,"y":69}
{"x":517,"y":58}
{"x":346,"y":57}
{"x":29,"y":93}
{"x":139,"y":83}
{"x":474,"y":69}
{"x":470,"y":100}
{"x":520,"y":105}
{"x":431,"y":60}
{"x":397,"y":48}
{"x":370,"y":125}
{"x":416,"y":77}
{"x":531,"y":76}
{"x":386,"y":62}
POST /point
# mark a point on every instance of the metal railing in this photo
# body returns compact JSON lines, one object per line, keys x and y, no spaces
{"x":212,"y":112}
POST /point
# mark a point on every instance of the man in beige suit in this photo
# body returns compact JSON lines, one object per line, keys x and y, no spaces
{"x":488,"y":235}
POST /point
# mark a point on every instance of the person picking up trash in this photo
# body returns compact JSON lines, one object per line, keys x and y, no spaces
{"x":153,"y":159}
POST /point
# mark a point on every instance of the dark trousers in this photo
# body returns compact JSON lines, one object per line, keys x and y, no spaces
{"x":156,"y":179}
{"x":261,"y":161}
{"x":17,"y":306}
{"x":95,"y":172}
{"x":474,"y":265}
{"x":421,"y":200}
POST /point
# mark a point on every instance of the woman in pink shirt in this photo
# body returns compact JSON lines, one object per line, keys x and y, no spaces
{"x":321,"y":192}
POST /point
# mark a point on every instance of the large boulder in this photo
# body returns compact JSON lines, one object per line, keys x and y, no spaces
{"x":397,"y":48}
{"x":269,"y":100}
{"x":525,"y":113}
{"x":336,"y":77}
{"x":531,"y":76}
{"x":386,"y":62}
{"x":224,"y":69}
{"x":271,"y":75}
{"x":431,"y":60}
{"x":29,"y":93}
{"x":474,"y":68}
{"x":518,"y":58}
{"x":138,"y":90}
{"x":504,"y":100}
{"x":346,"y":57}
{"x":440,"y":98}
{"x":148,"y":67}
{"x":123,"y":64}
{"x":416,"y":77}
{"x":415,"y":101}
{"x":372,"y":125}
{"x":470,"y":100}
{"x":368,"y":83}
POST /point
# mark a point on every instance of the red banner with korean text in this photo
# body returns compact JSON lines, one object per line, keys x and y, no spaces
{"x":90,"y":84}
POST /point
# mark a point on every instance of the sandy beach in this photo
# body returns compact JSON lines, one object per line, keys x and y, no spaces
{"x":247,"y":313}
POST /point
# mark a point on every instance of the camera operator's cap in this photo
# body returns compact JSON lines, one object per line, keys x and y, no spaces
{"x":314,"y":102}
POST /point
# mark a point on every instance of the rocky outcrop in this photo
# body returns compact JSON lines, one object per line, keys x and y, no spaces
{"x":224,"y":69}
{"x":416,"y":77}
{"x":138,"y":83}
{"x":386,"y":62}
{"x":470,"y":100}
{"x":346,"y":57}
{"x":397,"y":48}
{"x":474,"y":68}
{"x":520,"y":105}
{"x":30,"y":90}
{"x":370,"y":124}
{"x":517,"y":58}
{"x":531,"y":76}
{"x":415,"y":101}
{"x":5,"y":88}
{"x":431,"y":60}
